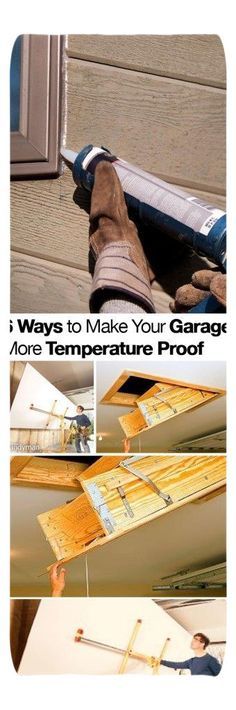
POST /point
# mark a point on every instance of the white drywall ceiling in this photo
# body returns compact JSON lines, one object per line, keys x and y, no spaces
{"x":51,"y":647}
{"x":199,"y":422}
{"x":66,"y":375}
{"x":208,"y":617}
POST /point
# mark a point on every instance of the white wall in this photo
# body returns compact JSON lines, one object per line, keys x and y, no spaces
{"x":51,"y":647}
{"x":35,"y":389}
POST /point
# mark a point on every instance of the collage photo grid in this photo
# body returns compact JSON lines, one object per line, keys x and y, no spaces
{"x":118,"y":463}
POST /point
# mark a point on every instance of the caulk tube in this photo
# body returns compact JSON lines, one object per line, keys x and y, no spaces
{"x":160,"y":204}
{"x":208,"y":305}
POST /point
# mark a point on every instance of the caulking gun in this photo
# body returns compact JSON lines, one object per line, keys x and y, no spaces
{"x":159,"y":204}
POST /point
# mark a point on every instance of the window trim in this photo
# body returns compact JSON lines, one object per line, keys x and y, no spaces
{"x":35,"y":147}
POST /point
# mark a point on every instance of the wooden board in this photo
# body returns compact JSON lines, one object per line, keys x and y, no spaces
{"x":17,"y":464}
{"x":71,"y":527}
{"x":35,"y":440}
{"x":133,"y":423}
{"x":185,"y":122}
{"x":169,"y":401}
{"x":102,"y":465}
{"x":165,"y":55}
{"x":184,"y":478}
{"x":46,"y":473}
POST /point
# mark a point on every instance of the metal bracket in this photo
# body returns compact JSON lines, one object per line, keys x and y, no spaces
{"x":126,"y":464}
{"x":101,"y":507}
{"x":125,"y":501}
{"x":143,"y":409}
{"x":164,"y":401}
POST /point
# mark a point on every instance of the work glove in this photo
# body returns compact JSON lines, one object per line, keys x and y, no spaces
{"x":116,"y":258}
{"x":204,"y":283}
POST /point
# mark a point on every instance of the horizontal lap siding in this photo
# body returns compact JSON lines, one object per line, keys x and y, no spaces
{"x":172,"y":128}
{"x":48,"y":224}
{"x":42,"y":286}
{"x":197,"y":58}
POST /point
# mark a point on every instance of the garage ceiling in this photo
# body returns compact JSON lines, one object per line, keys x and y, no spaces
{"x":66,"y":375}
{"x":198,"y":422}
{"x":206,"y":616}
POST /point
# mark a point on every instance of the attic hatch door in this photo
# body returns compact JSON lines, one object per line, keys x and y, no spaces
{"x":75,"y":528}
{"x":175,"y":476}
{"x":160,"y":403}
{"x":72,"y":527}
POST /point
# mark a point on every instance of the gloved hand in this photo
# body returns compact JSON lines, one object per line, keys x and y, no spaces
{"x":115,"y":249}
{"x":204,"y":283}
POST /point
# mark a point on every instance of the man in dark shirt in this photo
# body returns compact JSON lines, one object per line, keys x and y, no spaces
{"x":202,"y":663}
{"x":81,"y":422}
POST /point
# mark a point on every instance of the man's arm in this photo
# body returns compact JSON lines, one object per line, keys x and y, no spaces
{"x":214,"y":665}
{"x":70,"y":417}
{"x":176,"y":664}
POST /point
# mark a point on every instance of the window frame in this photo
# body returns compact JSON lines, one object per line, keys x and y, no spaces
{"x":35,"y":146}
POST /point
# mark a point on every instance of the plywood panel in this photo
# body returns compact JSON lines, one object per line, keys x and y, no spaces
{"x":172,"y":400}
{"x":196,"y":58}
{"x":173,"y":127}
{"x":17,"y":464}
{"x":51,"y":648}
{"x":35,"y":389}
{"x":71,"y":527}
{"x":46,"y":472}
{"x":102,"y":465}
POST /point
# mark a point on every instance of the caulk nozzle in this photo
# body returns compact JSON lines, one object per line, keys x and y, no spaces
{"x":68,"y":155}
